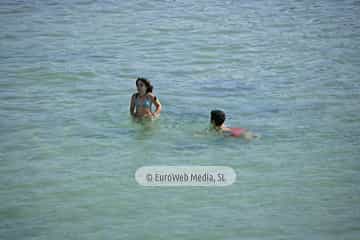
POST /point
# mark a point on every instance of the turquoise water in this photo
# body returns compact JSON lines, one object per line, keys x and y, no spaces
{"x":69,"y":151}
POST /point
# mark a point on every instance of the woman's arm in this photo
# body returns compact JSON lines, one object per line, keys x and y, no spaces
{"x":132,"y":105}
{"x":157,"y":104}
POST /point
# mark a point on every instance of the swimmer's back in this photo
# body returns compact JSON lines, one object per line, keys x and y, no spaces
{"x":237,"y":132}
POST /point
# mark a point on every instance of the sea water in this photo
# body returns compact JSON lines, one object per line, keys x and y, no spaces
{"x":287,"y":70}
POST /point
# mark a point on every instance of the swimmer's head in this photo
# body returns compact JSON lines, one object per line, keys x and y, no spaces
{"x":143,"y":85}
{"x":217,"y":117}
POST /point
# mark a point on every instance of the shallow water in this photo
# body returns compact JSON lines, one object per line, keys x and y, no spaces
{"x":286,"y":70}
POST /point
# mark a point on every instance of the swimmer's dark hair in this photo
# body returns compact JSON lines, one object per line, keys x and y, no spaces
{"x":149,"y":87}
{"x":218,"y":117}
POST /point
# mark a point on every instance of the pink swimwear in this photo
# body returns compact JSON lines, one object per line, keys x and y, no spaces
{"x":237,"y":132}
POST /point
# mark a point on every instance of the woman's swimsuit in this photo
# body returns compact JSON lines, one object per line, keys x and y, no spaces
{"x":145,"y":104}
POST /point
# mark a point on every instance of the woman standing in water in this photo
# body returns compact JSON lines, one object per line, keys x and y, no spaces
{"x":141,"y":102}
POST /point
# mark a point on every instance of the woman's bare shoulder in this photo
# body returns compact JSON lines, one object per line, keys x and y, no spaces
{"x":152,"y":96}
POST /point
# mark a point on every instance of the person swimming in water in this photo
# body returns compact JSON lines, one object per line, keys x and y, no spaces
{"x":217,"y":120}
{"x":141,"y":102}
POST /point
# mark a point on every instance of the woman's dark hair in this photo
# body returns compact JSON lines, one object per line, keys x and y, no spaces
{"x":149,"y":87}
{"x":218,"y":117}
